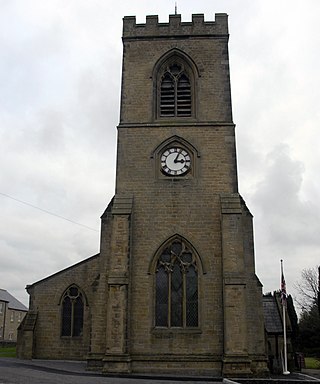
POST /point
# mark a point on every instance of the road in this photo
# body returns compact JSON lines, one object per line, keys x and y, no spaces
{"x":14,"y":371}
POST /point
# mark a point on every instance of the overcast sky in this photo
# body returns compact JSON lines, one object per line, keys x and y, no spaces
{"x":60,"y":72}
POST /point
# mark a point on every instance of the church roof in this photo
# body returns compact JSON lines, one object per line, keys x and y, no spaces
{"x":272,"y":318}
{"x":13,"y":303}
{"x":63,"y":270}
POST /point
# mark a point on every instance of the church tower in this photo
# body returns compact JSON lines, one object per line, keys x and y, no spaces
{"x":177,"y":291}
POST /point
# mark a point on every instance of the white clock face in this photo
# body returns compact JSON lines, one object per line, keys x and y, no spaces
{"x":175,"y":161}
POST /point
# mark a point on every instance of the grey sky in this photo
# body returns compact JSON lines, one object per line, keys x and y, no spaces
{"x":60,"y":72}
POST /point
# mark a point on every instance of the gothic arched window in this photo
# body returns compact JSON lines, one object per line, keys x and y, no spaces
{"x":175,"y":91}
{"x":176,"y":287}
{"x":72,"y":312}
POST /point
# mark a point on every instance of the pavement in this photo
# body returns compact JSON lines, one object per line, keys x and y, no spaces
{"x":16,"y":371}
{"x":315,"y":373}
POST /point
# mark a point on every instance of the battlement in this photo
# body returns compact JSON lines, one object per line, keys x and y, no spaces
{"x":175,"y":27}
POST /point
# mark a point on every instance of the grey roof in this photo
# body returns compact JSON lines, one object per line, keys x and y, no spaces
{"x":13,"y":303}
{"x":272,"y":318}
{"x":89,"y":259}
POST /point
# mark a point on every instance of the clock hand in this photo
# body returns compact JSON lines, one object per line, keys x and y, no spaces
{"x":176,"y":159}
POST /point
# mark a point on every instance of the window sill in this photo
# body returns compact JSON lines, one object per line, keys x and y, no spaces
{"x":174,"y":331}
{"x":71,"y":337}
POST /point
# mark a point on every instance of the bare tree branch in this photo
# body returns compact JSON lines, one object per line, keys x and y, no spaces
{"x":308,"y":288}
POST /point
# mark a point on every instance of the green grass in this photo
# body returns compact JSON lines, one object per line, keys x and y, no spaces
{"x":7,"y":352}
{"x":312,"y":363}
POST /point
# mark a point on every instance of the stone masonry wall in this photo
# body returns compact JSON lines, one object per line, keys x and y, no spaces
{"x":163,"y":207}
{"x":45,"y":299}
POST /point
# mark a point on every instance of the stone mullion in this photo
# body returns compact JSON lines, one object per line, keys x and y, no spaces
{"x":184,"y":299}
{"x":175,"y":96}
{"x":72,"y":317}
{"x":169,"y":298}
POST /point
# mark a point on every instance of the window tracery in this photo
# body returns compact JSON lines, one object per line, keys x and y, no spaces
{"x":175,"y":75}
{"x":72,"y":312}
{"x":176,"y":287}
{"x":175,"y":92}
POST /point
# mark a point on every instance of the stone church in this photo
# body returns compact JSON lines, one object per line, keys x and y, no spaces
{"x":173,"y":289}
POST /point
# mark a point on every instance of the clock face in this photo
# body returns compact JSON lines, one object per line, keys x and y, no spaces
{"x":175,"y":161}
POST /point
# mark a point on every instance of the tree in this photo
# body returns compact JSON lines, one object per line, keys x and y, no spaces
{"x":309,"y":332}
{"x":308,"y":288}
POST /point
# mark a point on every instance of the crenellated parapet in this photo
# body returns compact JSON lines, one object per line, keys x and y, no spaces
{"x":197,"y":27}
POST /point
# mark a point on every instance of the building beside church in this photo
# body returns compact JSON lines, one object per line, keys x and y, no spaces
{"x":273,"y":321}
{"x":12,"y":312}
{"x":173,"y":289}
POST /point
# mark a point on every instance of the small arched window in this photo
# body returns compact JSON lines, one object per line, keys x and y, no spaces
{"x":176,"y":287}
{"x":72,"y":312}
{"x":175,"y":99}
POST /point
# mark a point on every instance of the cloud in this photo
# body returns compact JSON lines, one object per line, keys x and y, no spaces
{"x":286,"y":224}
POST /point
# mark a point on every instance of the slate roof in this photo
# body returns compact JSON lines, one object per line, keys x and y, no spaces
{"x":272,"y":318}
{"x":13,"y":303}
{"x":63,"y":271}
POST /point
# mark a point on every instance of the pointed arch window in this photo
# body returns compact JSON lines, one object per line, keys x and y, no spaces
{"x":176,"y":287}
{"x":72,"y":312}
{"x":175,"y":92}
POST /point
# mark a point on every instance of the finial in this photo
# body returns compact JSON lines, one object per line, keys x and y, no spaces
{"x":175,"y":8}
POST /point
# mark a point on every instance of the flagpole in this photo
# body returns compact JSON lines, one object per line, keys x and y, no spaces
{"x":285,"y":372}
{"x":284,"y":304}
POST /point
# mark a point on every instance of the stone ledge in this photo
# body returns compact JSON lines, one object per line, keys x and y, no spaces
{"x":122,"y":205}
{"x":230,"y":203}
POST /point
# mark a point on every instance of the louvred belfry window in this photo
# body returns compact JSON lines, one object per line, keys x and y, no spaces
{"x":175,"y":93}
{"x":176,"y":287}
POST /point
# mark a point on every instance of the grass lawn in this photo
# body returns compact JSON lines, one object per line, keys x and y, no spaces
{"x":312,"y":363}
{"x":7,"y":352}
